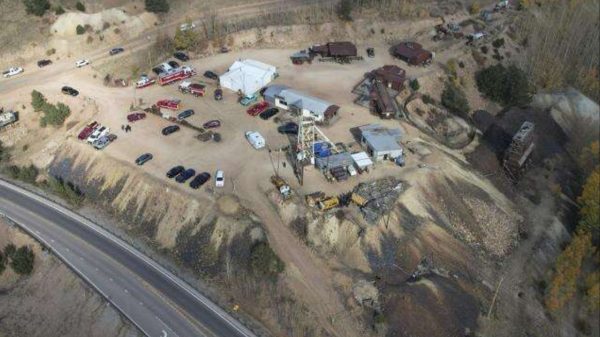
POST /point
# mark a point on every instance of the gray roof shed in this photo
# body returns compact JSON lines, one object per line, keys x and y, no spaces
{"x":380,"y":138}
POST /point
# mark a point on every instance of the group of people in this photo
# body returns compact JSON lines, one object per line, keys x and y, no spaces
{"x":126,"y":128}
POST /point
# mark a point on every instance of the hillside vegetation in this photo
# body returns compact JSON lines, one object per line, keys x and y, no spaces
{"x":561,"y":39}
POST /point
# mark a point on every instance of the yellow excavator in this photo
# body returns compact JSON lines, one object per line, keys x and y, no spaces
{"x":329,"y":203}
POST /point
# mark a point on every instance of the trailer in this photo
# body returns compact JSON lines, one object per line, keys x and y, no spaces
{"x":195,"y":89}
{"x":175,"y":75}
{"x":340,"y":52}
{"x":145,"y":81}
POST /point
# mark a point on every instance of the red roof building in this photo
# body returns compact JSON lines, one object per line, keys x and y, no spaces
{"x":412,"y":53}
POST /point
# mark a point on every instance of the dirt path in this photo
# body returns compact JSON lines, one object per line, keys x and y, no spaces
{"x":308,"y":277}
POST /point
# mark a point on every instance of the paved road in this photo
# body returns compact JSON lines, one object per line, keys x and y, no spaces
{"x":33,"y":74}
{"x":155,"y":300}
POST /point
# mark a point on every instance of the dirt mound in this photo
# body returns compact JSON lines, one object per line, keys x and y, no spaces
{"x":448,"y":129}
{"x":67,"y":23}
{"x":434,"y":307}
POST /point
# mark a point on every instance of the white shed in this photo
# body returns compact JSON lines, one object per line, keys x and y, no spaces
{"x":248,"y":76}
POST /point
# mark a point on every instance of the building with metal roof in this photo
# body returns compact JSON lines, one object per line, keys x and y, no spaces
{"x":381,"y":143}
{"x":285,"y":98}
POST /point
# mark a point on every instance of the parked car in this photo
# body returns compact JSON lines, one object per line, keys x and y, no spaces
{"x":173,"y":64}
{"x":144,"y":158}
{"x":69,"y":91}
{"x":200,"y":180}
{"x":170,"y":129}
{"x":102,"y":131}
{"x":268,"y":113}
{"x":43,"y":63}
{"x":187,"y":26}
{"x":181,"y":56}
{"x":288,"y":128}
{"x":81,"y":63}
{"x":220,"y":178}
{"x":10,"y":72}
{"x":185,"y":114}
{"x":185,"y":175}
{"x":211,"y":75}
{"x":212,"y":124}
{"x":88,"y":130}
{"x":175,"y":171}
{"x":103,"y":141}
{"x":116,"y":51}
{"x":257,"y":108}
{"x":245,"y":101}
{"x":136,"y":116}
{"x":255,"y":139}
{"x":218,"y":94}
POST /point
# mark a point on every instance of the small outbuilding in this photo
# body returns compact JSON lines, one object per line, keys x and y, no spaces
{"x":289,"y":99}
{"x":381,"y":143}
{"x":412,"y":53}
{"x":362,"y":161}
{"x":248,"y":76}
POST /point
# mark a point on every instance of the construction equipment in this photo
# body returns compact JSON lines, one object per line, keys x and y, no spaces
{"x":358,"y":199}
{"x":329,"y":203}
{"x":282,"y":186}
{"x":313,"y":199}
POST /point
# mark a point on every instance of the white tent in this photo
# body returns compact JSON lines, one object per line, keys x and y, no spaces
{"x":248,"y":76}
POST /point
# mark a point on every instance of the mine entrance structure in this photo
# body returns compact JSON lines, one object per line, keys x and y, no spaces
{"x":308,"y":135}
{"x":518,"y":154}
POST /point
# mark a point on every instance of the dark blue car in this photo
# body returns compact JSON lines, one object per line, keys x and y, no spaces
{"x":185,"y":175}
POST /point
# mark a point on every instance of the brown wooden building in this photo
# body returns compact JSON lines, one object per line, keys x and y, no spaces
{"x":412,"y":53}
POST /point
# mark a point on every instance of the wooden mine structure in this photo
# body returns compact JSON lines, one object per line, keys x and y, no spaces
{"x":518,"y":154}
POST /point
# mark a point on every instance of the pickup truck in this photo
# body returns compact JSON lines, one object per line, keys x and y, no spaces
{"x":7,"y":117}
{"x":195,"y":89}
{"x":172,"y":104}
{"x":12,"y":72}
{"x":88,"y":130}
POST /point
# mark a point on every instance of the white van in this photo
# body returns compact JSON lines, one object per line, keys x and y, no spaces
{"x":255,"y":139}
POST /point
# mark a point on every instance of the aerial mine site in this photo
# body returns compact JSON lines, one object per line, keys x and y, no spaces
{"x":300,"y":168}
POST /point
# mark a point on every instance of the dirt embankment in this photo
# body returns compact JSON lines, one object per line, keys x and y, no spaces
{"x":210,"y":236}
{"x":52,"y":301}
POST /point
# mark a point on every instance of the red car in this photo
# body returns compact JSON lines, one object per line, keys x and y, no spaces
{"x":136,"y":117}
{"x":172,"y":104}
{"x":257,"y":108}
{"x":212,"y":124}
{"x":87,"y":131}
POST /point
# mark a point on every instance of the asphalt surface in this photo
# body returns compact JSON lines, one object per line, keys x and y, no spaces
{"x":156,"y":301}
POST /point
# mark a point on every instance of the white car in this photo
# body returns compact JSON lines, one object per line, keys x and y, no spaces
{"x":255,"y":139}
{"x":12,"y":72}
{"x":81,"y":63}
{"x":99,"y":133}
{"x":219,"y":179}
{"x":187,"y":26}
